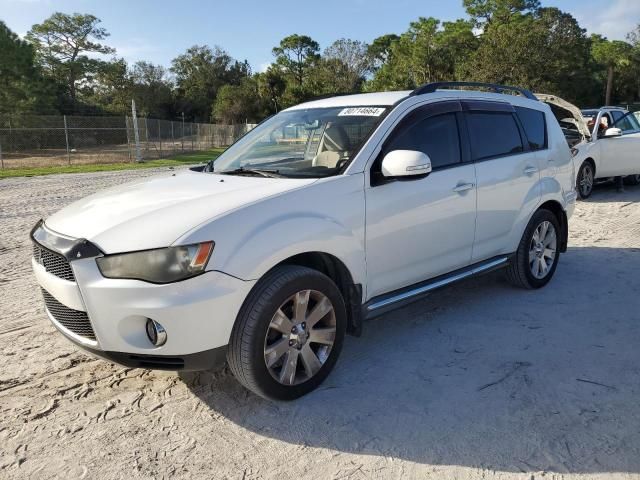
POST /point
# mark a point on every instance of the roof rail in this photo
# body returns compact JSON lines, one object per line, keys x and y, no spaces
{"x":432,"y":87}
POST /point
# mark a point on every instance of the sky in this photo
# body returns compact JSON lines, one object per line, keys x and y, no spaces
{"x":159,"y":30}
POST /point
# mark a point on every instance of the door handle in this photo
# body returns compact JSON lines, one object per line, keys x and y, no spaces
{"x":463,"y":187}
{"x":530,"y":170}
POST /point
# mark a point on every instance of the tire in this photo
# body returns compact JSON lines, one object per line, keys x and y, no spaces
{"x":632,"y":180}
{"x":585,"y":180}
{"x":273,"y":351}
{"x":525,"y":269}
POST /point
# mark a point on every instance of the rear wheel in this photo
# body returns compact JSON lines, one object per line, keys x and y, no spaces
{"x":585,"y":180}
{"x":632,"y":180}
{"x":537,"y":257}
{"x":288,"y":334}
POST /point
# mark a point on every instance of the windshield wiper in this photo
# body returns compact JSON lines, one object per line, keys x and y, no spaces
{"x":264,"y":172}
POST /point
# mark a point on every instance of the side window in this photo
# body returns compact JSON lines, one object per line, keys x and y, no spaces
{"x":436,"y":136}
{"x":626,"y":123}
{"x":493,"y":134}
{"x":535,"y":127}
{"x":617,"y":115}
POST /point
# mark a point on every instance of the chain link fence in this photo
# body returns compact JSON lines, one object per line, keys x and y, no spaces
{"x":47,"y":140}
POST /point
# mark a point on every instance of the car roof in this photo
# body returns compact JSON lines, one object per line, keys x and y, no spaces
{"x":383,"y":99}
{"x":591,"y":111}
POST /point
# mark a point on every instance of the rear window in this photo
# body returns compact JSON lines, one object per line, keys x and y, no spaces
{"x":493,"y":134}
{"x":535,"y":127}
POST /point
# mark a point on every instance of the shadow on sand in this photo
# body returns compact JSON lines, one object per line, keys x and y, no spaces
{"x":480,"y":375}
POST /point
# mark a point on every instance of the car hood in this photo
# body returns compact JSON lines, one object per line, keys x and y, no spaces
{"x":564,"y":110}
{"x":155,"y":212}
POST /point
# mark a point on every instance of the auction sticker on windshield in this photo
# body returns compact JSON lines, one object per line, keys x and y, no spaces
{"x":361,"y":112}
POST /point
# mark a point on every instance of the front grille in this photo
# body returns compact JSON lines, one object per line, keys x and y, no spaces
{"x":157,"y":362}
{"x":53,"y":263}
{"x":73,"y":320}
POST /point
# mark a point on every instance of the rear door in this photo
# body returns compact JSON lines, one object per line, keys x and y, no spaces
{"x":621,"y":155}
{"x":507,"y":171}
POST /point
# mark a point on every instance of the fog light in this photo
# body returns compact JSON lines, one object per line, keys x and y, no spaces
{"x":156,"y":333}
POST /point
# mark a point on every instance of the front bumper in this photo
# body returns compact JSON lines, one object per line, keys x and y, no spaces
{"x":208,"y":360}
{"x":198,"y":315}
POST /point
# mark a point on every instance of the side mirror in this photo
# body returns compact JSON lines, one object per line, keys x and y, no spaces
{"x":405,"y":163}
{"x":612,"y":132}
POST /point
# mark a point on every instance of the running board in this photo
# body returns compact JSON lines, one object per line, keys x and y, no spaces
{"x":389,"y":301}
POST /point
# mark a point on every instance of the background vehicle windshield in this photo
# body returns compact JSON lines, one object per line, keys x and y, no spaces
{"x":315,"y":142}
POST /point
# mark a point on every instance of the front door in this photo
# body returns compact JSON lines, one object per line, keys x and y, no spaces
{"x":420,"y":228}
{"x":621,"y":155}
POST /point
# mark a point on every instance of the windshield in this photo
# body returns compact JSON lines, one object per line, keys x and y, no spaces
{"x":315,"y":142}
{"x":589,"y":113}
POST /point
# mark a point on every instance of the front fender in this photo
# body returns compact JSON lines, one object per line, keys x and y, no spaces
{"x":326,"y":216}
{"x":269,"y":243}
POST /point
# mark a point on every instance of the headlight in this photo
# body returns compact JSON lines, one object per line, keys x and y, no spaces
{"x":162,"y":265}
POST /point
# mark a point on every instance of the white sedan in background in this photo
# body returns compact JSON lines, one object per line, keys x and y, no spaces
{"x":605,"y":142}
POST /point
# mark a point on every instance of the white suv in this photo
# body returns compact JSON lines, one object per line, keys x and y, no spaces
{"x":326,"y":214}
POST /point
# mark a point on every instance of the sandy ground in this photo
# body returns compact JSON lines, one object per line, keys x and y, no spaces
{"x":479,"y":381}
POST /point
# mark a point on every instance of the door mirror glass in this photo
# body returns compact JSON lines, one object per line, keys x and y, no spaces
{"x":405,"y":163}
{"x":612,"y":132}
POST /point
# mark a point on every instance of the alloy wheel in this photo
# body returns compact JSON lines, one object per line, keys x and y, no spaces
{"x":542,"y":250}
{"x":300,"y":337}
{"x":586,"y":180}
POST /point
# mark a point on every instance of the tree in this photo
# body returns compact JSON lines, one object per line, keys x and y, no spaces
{"x":564,"y":56}
{"x":62,"y":42}
{"x":152,"y":90}
{"x":483,"y":12}
{"x":22,"y":88}
{"x":295,"y":55}
{"x":199,"y":74}
{"x":545,"y":51}
{"x":354,"y":60}
{"x":426,"y":52}
{"x":238,"y":103}
{"x":614,"y":55}
{"x":112,"y":88}
{"x":380,"y":49}
{"x":633,"y":38}
{"x":271,"y":87}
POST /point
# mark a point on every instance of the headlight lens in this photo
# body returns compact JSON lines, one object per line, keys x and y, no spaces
{"x":162,"y":265}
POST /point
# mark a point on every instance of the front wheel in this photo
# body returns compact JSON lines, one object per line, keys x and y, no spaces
{"x":536,"y":260}
{"x":288,"y":334}
{"x":584,"y":182}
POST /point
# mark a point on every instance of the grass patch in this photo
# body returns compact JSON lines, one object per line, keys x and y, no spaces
{"x":180,"y":160}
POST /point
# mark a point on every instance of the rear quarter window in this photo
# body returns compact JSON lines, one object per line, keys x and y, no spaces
{"x":535,"y":127}
{"x":493,"y":134}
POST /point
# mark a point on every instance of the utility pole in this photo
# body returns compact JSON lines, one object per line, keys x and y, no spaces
{"x":135,"y":131}
{"x":66,"y":138}
{"x":182,"y":136}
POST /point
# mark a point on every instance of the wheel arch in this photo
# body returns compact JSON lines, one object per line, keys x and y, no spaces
{"x":556,"y":208}
{"x":337,"y":271}
{"x":593,"y":165}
